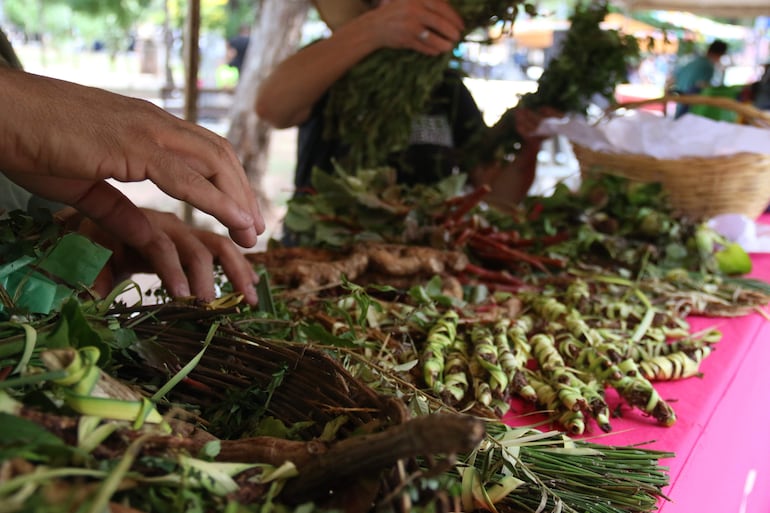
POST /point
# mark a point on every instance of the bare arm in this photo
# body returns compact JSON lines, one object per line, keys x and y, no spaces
{"x":511,"y":180}
{"x":287,"y":95}
{"x":61,"y":140}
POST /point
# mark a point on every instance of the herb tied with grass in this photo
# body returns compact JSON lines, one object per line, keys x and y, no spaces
{"x":372,"y":107}
{"x":591,"y":62}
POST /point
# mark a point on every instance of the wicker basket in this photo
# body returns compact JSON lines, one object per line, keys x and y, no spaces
{"x":700,"y":187}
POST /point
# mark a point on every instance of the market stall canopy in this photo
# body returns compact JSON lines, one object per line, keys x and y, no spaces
{"x":616,"y":21}
{"x":731,"y":8}
{"x":652,"y":39}
{"x":702,"y":25}
{"x":537,"y":32}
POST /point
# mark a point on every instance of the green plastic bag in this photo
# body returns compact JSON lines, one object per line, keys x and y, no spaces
{"x":75,"y":260}
{"x":717,"y":113}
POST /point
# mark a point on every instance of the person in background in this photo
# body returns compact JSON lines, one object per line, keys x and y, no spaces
{"x":236,"y":48}
{"x":61,"y":142}
{"x":698,"y":73}
{"x":759,"y":91}
{"x":295,"y":93}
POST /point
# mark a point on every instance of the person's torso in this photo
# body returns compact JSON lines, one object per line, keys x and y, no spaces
{"x":698,"y":71}
{"x":449,"y":121}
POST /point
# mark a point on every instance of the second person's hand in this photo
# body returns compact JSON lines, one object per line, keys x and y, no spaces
{"x":183,"y":257}
{"x":431,"y":27}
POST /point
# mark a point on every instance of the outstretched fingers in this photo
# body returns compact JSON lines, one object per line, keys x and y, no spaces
{"x":199,"y":250}
{"x":201,"y":168}
{"x":239,"y":271}
{"x":114,"y":213}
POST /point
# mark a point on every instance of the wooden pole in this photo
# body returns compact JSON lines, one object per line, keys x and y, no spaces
{"x":192,"y":60}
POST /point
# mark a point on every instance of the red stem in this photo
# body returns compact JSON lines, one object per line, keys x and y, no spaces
{"x":194,"y":383}
{"x":537,"y":261}
{"x":534,"y":214}
{"x":495,"y":276}
{"x":466,"y":203}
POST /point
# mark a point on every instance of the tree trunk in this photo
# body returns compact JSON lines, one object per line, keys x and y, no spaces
{"x":168,"y":43}
{"x":274,"y":36}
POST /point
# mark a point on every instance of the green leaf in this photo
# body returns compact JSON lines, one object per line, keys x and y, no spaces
{"x":30,"y":341}
{"x":189,"y":366}
{"x":265,"y":293}
{"x":452,"y":185}
{"x":211,"y":449}
{"x":299,"y":217}
{"x":123,"y":338}
{"x":74,"y":330}
{"x":270,"y":426}
{"x":22,"y":438}
{"x":336,"y":190}
{"x":216,"y":477}
{"x":318,"y":333}
{"x":11,"y":267}
{"x":332,"y":234}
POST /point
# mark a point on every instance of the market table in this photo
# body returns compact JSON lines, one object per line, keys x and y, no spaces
{"x":721,"y":439}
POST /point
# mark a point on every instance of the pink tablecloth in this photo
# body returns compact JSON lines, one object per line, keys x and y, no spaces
{"x":721,"y":439}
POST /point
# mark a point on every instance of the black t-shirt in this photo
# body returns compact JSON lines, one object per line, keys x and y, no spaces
{"x":240,"y":44}
{"x":8,"y":56}
{"x":450,"y":120}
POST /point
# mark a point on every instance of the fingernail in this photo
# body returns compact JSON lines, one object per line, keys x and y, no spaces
{"x":252,"y":233}
{"x":183,"y":290}
{"x":247,"y":215}
{"x":246,"y":237}
{"x":248,"y":218}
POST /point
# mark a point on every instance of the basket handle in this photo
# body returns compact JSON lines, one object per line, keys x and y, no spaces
{"x":750,"y":114}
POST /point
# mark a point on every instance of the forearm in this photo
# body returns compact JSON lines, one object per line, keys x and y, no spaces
{"x":15,"y":151}
{"x":286,"y":97}
{"x":510,"y":181}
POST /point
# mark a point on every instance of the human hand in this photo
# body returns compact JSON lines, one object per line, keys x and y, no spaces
{"x":431,"y":27}
{"x":69,"y":136}
{"x":527,"y":121}
{"x":182,"y":256}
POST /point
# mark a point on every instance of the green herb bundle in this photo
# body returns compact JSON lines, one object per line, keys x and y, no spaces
{"x":371,"y":108}
{"x":592,"y":61}
{"x":258,"y":385}
{"x":368,"y":205}
{"x":609,"y":221}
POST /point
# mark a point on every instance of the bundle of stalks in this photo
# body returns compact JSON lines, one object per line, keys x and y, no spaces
{"x":351,"y":446}
{"x":385,"y":91}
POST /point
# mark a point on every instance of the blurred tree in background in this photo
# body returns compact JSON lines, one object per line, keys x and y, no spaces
{"x":241,"y":13}
{"x":113,"y":23}
{"x":107,"y":24}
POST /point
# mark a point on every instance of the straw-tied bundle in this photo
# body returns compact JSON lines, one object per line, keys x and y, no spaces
{"x":372,"y":107}
{"x":343,"y":445}
{"x":216,"y":389}
{"x":379,"y":449}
